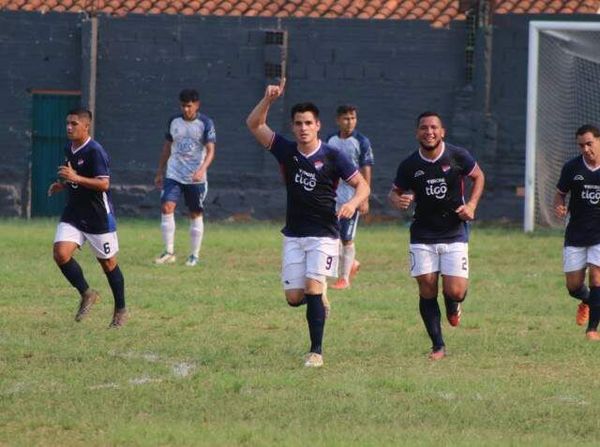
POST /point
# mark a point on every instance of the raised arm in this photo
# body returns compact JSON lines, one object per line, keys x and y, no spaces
{"x":257,"y":120}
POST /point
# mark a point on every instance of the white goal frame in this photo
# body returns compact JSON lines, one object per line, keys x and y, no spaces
{"x":532,"y":96}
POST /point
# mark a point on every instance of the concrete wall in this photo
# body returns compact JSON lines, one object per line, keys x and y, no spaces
{"x":392,"y":70}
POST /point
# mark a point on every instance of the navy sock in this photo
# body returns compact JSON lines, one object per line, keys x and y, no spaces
{"x":117,"y":285}
{"x":582,"y":294}
{"x":594,"y":303}
{"x":452,"y":304}
{"x":74,"y":275}
{"x":430,"y":313}
{"x":315,"y":315}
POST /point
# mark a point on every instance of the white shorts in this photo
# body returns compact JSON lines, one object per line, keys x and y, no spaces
{"x":308,"y":257}
{"x":578,"y":258}
{"x":104,"y":246}
{"x":448,"y":259}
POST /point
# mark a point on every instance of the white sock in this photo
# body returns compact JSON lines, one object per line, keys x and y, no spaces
{"x":348,"y":254}
{"x":196,"y":233}
{"x":167,"y":228}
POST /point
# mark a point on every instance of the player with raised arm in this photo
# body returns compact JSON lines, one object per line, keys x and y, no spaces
{"x":358,"y":148}
{"x":187,"y":153}
{"x":311,"y":171}
{"x":88,"y":216}
{"x":580,"y":177}
{"x":433,"y":177}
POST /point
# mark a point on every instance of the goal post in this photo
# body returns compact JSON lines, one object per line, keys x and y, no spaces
{"x":563,"y":93}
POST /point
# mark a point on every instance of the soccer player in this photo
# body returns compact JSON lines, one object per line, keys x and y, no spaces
{"x":88,"y":216}
{"x":311,"y":171}
{"x":433,"y":177}
{"x":580,"y":176}
{"x":358,"y":148}
{"x":187,"y":153}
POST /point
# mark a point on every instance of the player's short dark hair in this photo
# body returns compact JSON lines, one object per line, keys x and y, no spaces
{"x":345,"y":108}
{"x":81,"y":112}
{"x":588,"y":128}
{"x":302,"y":107}
{"x":189,"y":95}
{"x":427,"y":114}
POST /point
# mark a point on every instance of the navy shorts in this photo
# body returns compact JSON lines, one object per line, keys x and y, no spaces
{"x":348,"y":228}
{"x":193,"y":193}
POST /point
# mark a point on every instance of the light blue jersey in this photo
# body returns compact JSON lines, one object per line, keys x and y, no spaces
{"x":358,"y":148}
{"x":188,"y":150}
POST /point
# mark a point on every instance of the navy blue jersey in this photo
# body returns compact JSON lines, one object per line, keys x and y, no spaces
{"x":438,"y":187}
{"x":583,"y":228}
{"x":311,"y":182}
{"x":88,"y":210}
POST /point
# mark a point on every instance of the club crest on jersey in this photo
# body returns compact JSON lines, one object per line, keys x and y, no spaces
{"x":318,"y":165}
{"x":578,"y":177}
{"x":445,"y":168}
{"x":80,"y":162}
{"x":419,"y":173}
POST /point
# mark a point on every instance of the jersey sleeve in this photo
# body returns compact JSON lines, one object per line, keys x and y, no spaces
{"x":210,"y":135}
{"x":563,"y":184}
{"x":345,"y":167}
{"x":366,"y":153}
{"x":168,"y":135}
{"x":280,"y":146}
{"x":467,"y":162}
{"x":100,"y":163}
{"x":402,"y":179}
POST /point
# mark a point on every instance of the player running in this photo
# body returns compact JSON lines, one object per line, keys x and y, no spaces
{"x":433,"y":177}
{"x":580,"y":176}
{"x":187,"y":153}
{"x":88,"y":216}
{"x":358,"y":148}
{"x":311,"y":171}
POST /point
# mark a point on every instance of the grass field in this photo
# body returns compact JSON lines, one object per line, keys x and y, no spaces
{"x":212,"y":355}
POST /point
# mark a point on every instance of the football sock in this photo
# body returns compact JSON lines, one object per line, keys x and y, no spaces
{"x":430,"y":313}
{"x":348,"y":255}
{"x":451,"y":304}
{"x":196,"y":233}
{"x":315,"y":315}
{"x":167,"y":228}
{"x":581,"y":294}
{"x":74,"y":275}
{"x":594,"y":303}
{"x":117,"y":285}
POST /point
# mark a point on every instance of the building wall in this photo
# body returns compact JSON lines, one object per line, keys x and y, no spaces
{"x":392,"y":70}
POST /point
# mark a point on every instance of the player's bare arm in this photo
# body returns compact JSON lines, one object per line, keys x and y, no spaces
{"x":200,"y":173}
{"x":162,"y":162}
{"x":363,"y":208}
{"x":361,"y":194}
{"x":257,"y":120}
{"x":560,"y":206}
{"x":400,"y":199}
{"x":466,"y":212}
{"x":55,"y":187}
{"x":68,"y":174}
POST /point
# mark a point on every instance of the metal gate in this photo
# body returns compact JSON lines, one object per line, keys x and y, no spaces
{"x":48,"y":140}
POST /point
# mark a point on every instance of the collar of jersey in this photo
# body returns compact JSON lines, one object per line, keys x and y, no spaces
{"x":436,"y":158}
{"x":588,"y":166}
{"x":312,"y":153}
{"x":73,"y":151}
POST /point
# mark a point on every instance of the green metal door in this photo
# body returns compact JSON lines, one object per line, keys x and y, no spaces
{"x":49,"y":138}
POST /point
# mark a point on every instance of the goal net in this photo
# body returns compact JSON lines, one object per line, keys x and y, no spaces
{"x":563,"y":94}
